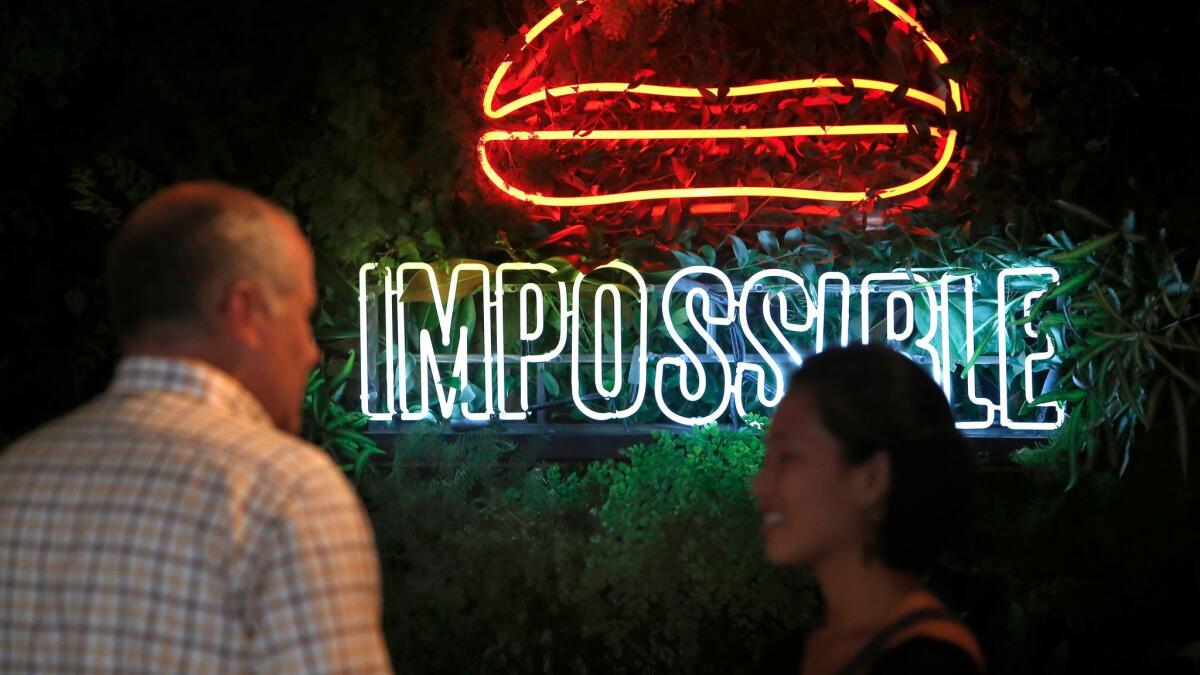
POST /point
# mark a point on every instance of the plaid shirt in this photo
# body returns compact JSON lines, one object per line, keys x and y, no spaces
{"x":168,"y":527}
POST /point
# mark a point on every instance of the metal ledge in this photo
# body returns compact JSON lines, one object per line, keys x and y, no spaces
{"x":578,"y":443}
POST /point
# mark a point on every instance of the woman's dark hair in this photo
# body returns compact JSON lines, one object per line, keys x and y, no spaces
{"x":874,"y":399}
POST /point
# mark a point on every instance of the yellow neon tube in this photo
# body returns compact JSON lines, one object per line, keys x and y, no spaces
{"x":689,"y":92}
{"x":680,"y":134}
{"x":935,"y":48}
{"x":704,"y":192}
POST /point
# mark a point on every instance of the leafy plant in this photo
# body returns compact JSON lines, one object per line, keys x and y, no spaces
{"x":678,"y":548}
{"x":1128,"y":339}
{"x":337,"y":430}
{"x":494,"y":564}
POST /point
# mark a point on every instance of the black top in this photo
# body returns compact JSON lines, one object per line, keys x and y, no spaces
{"x":924,"y":655}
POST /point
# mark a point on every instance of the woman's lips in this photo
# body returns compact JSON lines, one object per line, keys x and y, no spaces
{"x":770,"y":521}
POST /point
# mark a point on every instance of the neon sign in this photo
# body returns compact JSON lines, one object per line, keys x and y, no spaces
{"x":727,"y":347}
{"x":939,"y":105}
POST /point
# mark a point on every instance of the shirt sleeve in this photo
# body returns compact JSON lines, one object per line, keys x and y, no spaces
{"x":314,"y":606}
{"x":927,"y":656}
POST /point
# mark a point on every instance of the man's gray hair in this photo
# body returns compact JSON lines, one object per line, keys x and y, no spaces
{"x":180,"y":251}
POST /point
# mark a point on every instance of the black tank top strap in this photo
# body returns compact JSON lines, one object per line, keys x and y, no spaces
{"x":879,"y":643}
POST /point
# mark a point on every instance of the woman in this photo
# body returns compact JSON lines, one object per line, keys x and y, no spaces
{"x":865,"y":480}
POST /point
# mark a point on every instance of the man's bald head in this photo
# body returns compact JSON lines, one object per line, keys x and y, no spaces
{"x":181,"y":250}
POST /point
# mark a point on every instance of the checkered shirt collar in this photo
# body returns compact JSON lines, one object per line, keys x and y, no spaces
{"x":187,"y":377}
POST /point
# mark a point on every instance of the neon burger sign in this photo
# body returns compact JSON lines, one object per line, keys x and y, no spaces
{"x":535,"y":117}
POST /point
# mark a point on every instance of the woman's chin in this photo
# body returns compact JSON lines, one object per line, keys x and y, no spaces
{"x":783,"y":553}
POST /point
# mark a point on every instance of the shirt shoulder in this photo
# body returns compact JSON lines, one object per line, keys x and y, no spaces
{"x":926,"y":655}
{"x":186,"y":442}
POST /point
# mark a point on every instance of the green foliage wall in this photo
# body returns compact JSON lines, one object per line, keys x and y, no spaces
{"x":652,"y":564}
{"x":647,"y":565}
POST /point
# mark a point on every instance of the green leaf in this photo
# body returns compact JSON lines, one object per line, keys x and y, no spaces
{"x":334,"y":334}
{"x":793,"y":237}
{"x":418,"y":288}
{"x":349,"y":417}
{"x":1106,"y":304}
{"x":1082,"y":213}
{"x":1085,"y":249}
{"x":550,"y":383}
{"x":1126,"y":388}
{"x":467,"y":317}
{"x":433,"y":239}
{"x":563,"y":269}
{"x":318,"y":407}
{"x":315,"y":380}
{"x":360,"y":463}
{"x":740,"y":253}
{"x":406,"y":250}
{"x":679,"y":319}
{"x":1063,"y":395}
{"x":768,"y":241}
{"x":1184,"y":377}
{"x":353,"y":438}
{"x":991,"y":324}
{"x":339,"y":380}
{"x":1070,"y":285}
{"x":1087,"y":358}
{"x":687,"y":259}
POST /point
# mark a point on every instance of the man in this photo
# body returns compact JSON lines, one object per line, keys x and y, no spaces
{"x":175,"y":524}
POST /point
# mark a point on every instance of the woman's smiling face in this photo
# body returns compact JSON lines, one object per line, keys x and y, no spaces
{"x":812,"y":500}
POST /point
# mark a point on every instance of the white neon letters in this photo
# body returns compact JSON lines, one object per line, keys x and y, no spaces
{"x":700,"y":325}
{"x":529,"y":293}
{"x":427,"y":361}
{"x":902,"y":296}
{"x":775,"y":317}
{"x":734,"y":345}
{"x":1033,"y":357}
{"x":611,"y":291}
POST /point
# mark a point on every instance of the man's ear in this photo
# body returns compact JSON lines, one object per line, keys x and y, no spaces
{"x":873,"y":478}
{"x":240,"y":312}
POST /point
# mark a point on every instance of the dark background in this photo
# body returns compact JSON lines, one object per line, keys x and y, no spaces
{"x":103,"y":101}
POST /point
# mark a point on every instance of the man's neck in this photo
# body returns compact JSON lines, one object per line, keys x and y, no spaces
{"x":176,"y":347}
